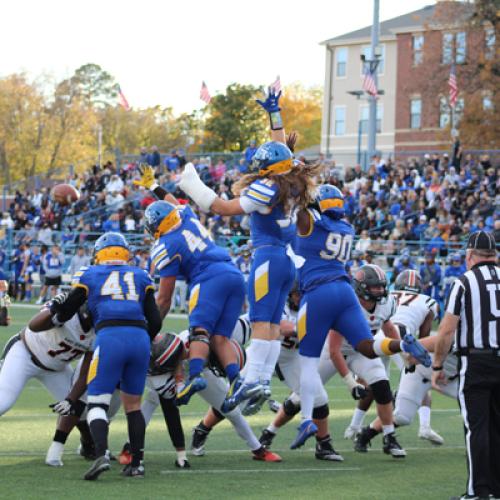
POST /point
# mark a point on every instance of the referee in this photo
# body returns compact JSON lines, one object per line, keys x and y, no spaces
{"x":473,"y":312}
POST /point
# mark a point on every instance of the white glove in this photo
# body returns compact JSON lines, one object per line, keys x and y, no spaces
{"x":64,"y":407}
{"x":193,"y":186}
{"x":357,"y":390}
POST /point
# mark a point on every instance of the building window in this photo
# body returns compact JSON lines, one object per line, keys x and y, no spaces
{"x":418,"y":49}
{"x":490,"y":43}
{"x":340,"y":120}
{"x":415,"y":113}
{"x":364,"y":117}
{"x":341,"y":55}
{"x":444,"y":112}
{"x":459,"y":110}
{"x":460,"y":47}
{"x":366,"y":50}
{"x":487,"y":103}
{"x":447,"y":48}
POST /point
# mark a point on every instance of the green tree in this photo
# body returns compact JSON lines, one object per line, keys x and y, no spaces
{"x":233,"y":119}
{"x":96,"y":86}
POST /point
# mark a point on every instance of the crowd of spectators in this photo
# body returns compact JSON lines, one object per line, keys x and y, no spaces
{"x":419,"y":205}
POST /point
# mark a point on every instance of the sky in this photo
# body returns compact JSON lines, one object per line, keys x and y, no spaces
{"x":161,"y":50}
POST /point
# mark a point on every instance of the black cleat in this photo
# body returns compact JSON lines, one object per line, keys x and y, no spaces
{"x":266,"y":438}
{"x":200,"y":435}
{"x":100,"y":465}
{"x":325,"y":451}
{"x":134,"y":471}
{"x":182,"y":464}
{"x":363,"y":439}
{"x":392,"y":447}
{"x":87,"y":450}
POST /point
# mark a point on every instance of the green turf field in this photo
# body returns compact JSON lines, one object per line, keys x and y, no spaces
{"x":227,"y":470}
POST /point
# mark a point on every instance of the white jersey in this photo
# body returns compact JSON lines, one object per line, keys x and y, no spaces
{"x":382,"y":313}
{"x":289,"y":344}
{"x":412,"y":309}
{"x":57,"y":347}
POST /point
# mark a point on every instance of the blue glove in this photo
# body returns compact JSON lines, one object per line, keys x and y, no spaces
{"x":271,"y":104}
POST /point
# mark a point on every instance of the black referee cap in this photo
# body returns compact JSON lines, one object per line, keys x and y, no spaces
{"x":481,"y":240}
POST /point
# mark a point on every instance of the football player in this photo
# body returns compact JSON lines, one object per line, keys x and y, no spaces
{"x":288,"y":371}
{"x":125,"y":315}
{"x":324,"y":240}
{"x":45,"y":352}
{"x":378,"y":306}
{"x":415,"y":314}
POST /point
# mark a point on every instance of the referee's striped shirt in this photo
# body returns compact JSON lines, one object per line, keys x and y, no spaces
{"x":475,"y":298}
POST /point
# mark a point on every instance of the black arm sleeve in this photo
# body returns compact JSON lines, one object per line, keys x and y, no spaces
{"x":173,"y":421}
{"x":152,"y":314}
{"x":160,"y":193}
{"x":76,"y":297}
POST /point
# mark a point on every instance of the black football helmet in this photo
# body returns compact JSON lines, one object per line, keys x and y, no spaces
{"x":166,"y":352}
{"x":409,"y":280}
{"x":293,"y":299}
{"x":367,"y":278}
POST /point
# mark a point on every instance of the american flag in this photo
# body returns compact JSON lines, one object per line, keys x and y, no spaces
{"x":122,"y":100}
{"x":369,"y":85}
{"x":452,"y":83}
{"x":276,"y":85}
{"x":204,"y":93}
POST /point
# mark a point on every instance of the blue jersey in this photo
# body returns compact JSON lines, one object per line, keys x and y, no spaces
{"x":243,"y":264}
{"x":326,"y":249}
{"x":114,"y":292}
{"x":188,"y":251}
{"x":268,"y":223}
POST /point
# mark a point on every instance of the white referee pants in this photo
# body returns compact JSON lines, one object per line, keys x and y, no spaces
{"x":18,"y":369}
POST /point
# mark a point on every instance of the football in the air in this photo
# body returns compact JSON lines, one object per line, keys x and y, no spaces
{"x":65,"y":194}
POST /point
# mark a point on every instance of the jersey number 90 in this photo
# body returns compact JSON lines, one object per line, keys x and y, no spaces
{"x":338,"y":246}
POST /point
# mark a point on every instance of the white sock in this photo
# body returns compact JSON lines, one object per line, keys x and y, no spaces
{"x":424,"y":416}
{"x":357,"y":418}
{"x":257,"y":355}
{"x":272,"y":428}
{"x":271,"y":360}
{"x":310,"y":385}
{"x":388,"y":429}
{"x":243,"y":429}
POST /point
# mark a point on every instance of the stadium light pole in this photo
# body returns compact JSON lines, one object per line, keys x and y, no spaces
{"x":358,"y":94}
{"x":374,"y":61}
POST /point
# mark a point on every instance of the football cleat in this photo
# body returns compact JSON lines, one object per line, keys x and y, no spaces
{"x":351,"y":432}
{"x":255,"y":403}
{"x":392,"y":447}
{"x":412,"y":346}
{"x":99,"y":466}
{"x":134,"y":471}
{"x":182,"y":464}
{"x":306,"y":429}
{"x":54,"y":454}
{"x":363,"y":440}
{"x":191,"y":387}
{"x":431,"y":435}
{"x":200,"y":435}
{"x":274,"y":405}
{"x":325,"y":451}
{"x":265,"y":455}
{"x":125,"y":457}
{"x":266,"y":438}
{"x":240,"y":393}
{"x":87,"y":451}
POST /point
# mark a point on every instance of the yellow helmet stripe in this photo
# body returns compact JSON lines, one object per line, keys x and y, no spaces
{"x":112,"y":253}
{"x":168,"y":223}
{"x":331,"y":203}
{"x":282,"y":167}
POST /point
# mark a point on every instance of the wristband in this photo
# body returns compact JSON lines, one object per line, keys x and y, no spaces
{"x":154,"y":186}
{"x":276,"y":120}
{"x":437,"y":368}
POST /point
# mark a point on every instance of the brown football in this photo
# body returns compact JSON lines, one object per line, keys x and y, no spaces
{"x":65,"y":194}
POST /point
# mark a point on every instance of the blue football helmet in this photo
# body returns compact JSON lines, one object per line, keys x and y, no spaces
{"x":111,"y":247}
{"x":161,"y":217}
{"x":330,"y":201}
{"x":272,"y":158}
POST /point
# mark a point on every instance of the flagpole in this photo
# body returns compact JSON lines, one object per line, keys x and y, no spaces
{"x":372,"y":122}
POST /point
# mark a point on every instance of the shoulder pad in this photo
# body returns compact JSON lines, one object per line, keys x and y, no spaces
{"x":262,"y":191}
{"x":159,"y":255}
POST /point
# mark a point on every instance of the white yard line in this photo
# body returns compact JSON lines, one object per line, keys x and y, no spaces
{"x":258,"y":471}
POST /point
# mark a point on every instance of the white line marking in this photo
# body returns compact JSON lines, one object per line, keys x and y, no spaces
{"x":258,"y":471}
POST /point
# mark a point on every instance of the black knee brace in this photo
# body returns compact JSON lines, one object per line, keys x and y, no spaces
{"x":290,"y":408}
{"x":198,"y":334}
{"x":381,"y":392}
{"x":105,"y":407}
{"x":321,"y":412}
